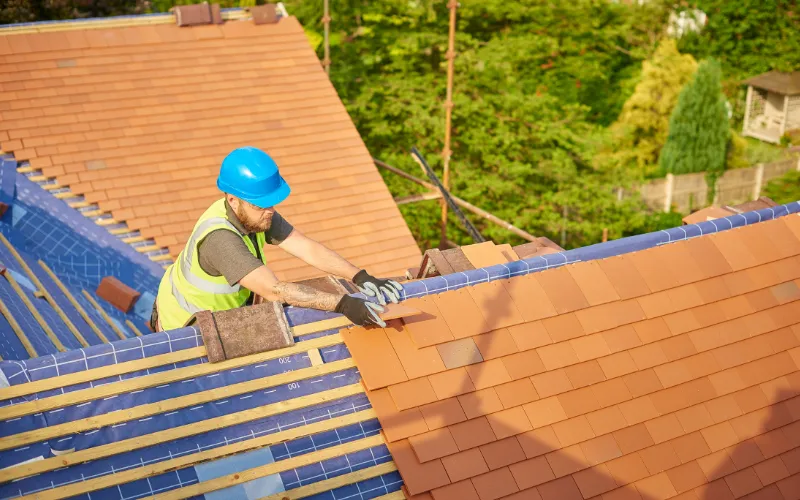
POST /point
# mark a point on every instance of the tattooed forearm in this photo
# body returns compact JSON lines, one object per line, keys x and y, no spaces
{"x":305,"y":296}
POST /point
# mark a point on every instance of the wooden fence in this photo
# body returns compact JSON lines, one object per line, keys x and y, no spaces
{"x":687,"y":192}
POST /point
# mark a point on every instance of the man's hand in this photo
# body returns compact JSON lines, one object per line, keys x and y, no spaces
{"x":376,"y":287}
{"x":360,"y":312}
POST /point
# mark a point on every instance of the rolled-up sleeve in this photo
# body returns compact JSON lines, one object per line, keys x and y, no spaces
{"x":279,"y":230}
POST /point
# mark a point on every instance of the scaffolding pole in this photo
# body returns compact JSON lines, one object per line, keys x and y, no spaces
{"x":448,"y":110}
{"x":326,"y":22}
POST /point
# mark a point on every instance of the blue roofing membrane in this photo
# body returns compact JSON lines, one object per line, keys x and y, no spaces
{"x":81,"y":253}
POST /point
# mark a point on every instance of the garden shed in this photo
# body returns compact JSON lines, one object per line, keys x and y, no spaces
{"x":773,"y":105}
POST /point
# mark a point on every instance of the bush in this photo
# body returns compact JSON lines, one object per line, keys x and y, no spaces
{"x":737,"y":152}
{"x":763,"y":152}
{"x":791,"y":138}
{"x":784,"y":189}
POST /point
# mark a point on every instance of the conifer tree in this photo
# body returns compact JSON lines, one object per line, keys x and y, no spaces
{"x":641,"y":129}
{"x":698,"y":128}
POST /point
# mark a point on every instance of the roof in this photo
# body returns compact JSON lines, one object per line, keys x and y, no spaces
{"x":670,"y":370}
{"x":775,"y":81}
{"x":148,"y":416}
{"x":708,"y":213}
{"x":52,"y":260}
{"x":711,"y":213}
{"x":749,"y":206}
{"x":138,"y":119}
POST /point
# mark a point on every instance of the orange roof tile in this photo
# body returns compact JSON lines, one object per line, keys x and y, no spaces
{"x":650,"y":382}
{"x":139,"y":118}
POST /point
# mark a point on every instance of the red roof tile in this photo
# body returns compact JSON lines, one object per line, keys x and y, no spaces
{"x":465,"y":464}
{"x":501,"y":453}
{"x":527,"y":291}
{"x":479,"y":403}
{"x":432,"y":445}
{"x":686,"y":387}
{"x":141,"y":112}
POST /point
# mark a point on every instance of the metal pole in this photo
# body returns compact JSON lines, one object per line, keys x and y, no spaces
{"x":448,"y":110}
{"x":448,"y":198}
{"x":461,"y":203}
{"x":326,"y":21}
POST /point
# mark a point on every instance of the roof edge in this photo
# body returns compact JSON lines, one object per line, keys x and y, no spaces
{"x":230,"y":14}
{"x":629,"y":244}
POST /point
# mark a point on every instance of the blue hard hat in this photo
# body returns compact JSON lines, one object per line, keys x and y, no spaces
{"x":252,"y":175}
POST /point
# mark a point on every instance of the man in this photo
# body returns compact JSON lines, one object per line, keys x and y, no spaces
{"x":222,"y":265}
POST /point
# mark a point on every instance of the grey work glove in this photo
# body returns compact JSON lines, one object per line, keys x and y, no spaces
{"x":360,"y":312}
{"x":376,"y":287}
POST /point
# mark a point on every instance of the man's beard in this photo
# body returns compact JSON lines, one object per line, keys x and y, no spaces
{"x":253,"y":226}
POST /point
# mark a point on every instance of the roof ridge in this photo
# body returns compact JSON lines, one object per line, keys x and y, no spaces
{"x":621,"y":246}
{"x":229,"y":14}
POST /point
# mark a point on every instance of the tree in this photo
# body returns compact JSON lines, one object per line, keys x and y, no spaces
{"x":535,"y":82}
{"x":641,"y":130}
{"x":748,"y":37}
{"x":698,"y":128}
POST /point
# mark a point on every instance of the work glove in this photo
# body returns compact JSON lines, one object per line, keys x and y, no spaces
{"x":360,"y":312}
{"x":376,"y":287}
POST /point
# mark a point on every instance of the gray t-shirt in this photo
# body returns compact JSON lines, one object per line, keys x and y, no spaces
{"x":223,"y":253}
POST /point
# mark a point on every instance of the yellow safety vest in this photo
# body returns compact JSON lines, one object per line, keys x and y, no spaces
{"x":186,"y":289}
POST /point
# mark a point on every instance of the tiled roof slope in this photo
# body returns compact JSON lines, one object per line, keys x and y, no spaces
{"x":138,"y":119}
{"x":668,"y":372}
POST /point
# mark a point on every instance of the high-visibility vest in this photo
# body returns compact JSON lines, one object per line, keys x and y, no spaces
{"x":186,"y":289}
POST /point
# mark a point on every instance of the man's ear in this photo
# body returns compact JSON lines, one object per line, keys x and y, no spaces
{"x":232,"y":201}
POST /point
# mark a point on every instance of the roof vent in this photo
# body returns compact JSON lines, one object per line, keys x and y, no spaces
{"x":265,"y":14}
{"x":197,"y":14}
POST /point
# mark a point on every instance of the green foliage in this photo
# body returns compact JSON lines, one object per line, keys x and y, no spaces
{"x":657,"y":222}
{"x":535,"y":82}
{"x":748,"y":37}
{"x":641,"y":130}
{"x":16,"y":11}
{"x":784,"y":189}
{"x":737,"y":155}
{"x":314,"y":38}
{"x":791,"y":138}
{"x":763,"y":152}
{"x":698,"y":128}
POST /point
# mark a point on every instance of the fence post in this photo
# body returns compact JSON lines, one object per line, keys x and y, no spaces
{"x":759,"y":181}
{"x":748,"y":103}
{"x":785,"y":115}
{"x":668,"y":192}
